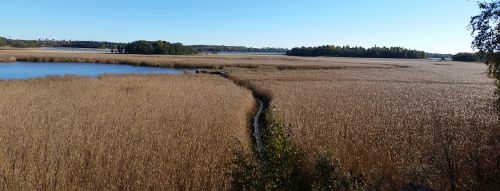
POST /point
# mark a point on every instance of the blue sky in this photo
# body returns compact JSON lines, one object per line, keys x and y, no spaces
{"x":430,"y":25}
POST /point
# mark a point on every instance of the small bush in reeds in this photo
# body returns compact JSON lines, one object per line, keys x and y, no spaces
{"x":246,"y":170}
{"x":280,"y":156}
{"x":276,"y":168}
{"x":328,"y":175}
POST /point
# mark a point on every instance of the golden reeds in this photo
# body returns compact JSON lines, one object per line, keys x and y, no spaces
{"x":396,"y":121}
{"x":425,"y":124}
{"x":127,"y":132}
{"x":7,"y":59}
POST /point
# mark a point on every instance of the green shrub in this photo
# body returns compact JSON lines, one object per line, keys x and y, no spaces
{"x":246,"y":171}
{"x":280,"y":157}
{"x":276,"y":168}
{"x":328,"y":175}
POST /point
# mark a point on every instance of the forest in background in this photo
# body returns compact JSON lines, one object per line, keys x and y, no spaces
{"x":119,"y":47}
{"x":164,"y":47}
{"x":346,"y":51}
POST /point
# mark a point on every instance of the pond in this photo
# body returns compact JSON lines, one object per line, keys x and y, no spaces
{"x":26,"y":70}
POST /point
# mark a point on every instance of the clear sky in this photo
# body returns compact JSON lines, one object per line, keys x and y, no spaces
{"x":430,"y":25}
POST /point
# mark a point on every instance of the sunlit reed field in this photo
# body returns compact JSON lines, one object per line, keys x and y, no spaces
{"x":394,"y":121}
{"x":426,"y":123}
{"x":121,"y":132}
{"x":197,"y":61}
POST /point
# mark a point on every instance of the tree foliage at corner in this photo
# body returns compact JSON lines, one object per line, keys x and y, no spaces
{"x":486,"y":31}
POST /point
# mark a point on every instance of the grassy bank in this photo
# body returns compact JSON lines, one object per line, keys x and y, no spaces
{"x":7,"y":59}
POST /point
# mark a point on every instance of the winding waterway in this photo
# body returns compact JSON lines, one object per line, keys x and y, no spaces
{"x":257,"y":125}
{"x":256,"y":119}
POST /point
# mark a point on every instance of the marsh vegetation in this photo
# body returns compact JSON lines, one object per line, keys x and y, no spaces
{"x":127,"y":132}
{"x":318,"y":118}
{"x":426,"y":124}
{"x":351,"y":123}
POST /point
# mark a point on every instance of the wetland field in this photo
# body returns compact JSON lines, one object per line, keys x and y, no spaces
{"x":395,"y":121}
{"x":126,"y":132}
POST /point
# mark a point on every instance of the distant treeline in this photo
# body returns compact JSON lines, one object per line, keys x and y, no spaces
{"x":438,"y":55}
{"x":19,"y":43}
{"x":163,"y":47}
{"x":221,"y":48}
{"x":156,"y":47}
{"x":136,"y":47}
{"x":58,"y":43}
{"x":346,"y":51}
{"x":468,"y":57}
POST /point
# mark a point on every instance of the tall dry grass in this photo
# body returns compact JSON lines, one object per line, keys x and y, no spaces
{"x":431,"y":124}
{"x":121,"y":132}
{"x":7,"y":59}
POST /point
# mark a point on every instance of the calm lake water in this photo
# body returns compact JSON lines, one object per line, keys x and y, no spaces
{"x":26,"y":70}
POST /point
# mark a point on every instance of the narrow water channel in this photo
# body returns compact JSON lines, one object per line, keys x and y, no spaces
{"x":257,"y":117}
{"x":257,"y":125}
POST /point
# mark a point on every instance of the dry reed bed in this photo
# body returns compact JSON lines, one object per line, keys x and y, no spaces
{"x":200,"y":61}
{"x":120,"y":132}
{"x":396,"y":125}
{"x":7,"y":59}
